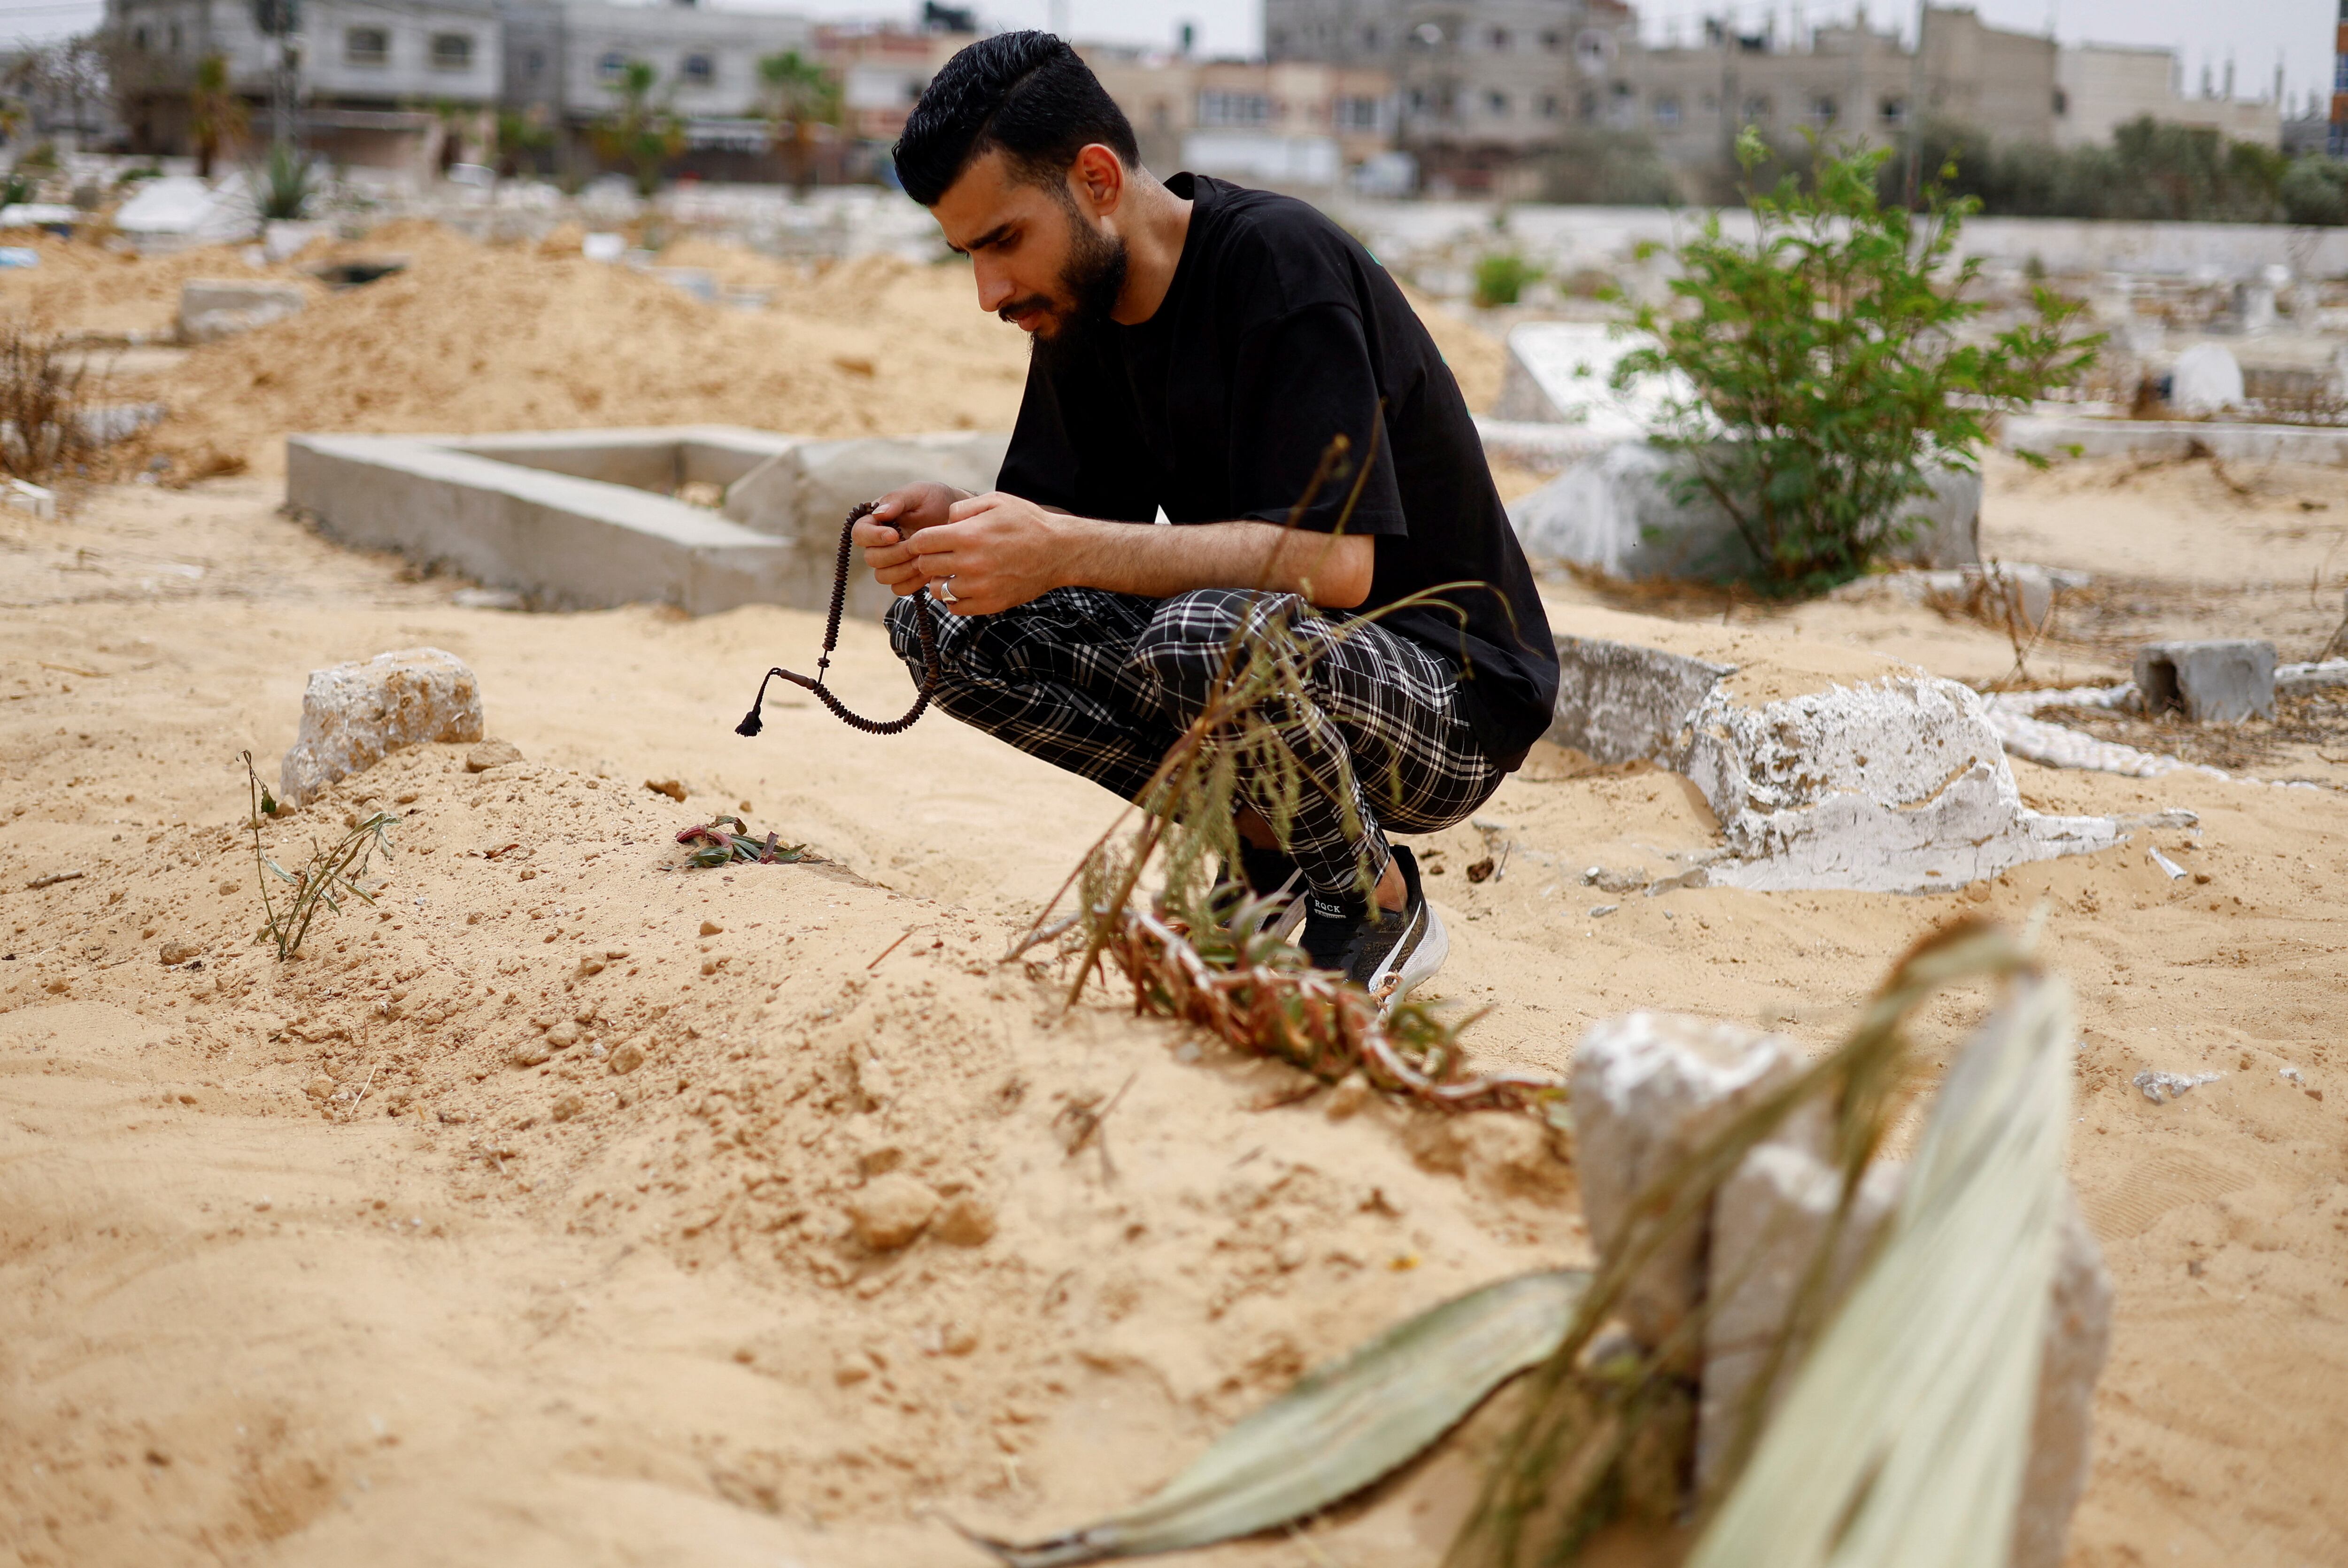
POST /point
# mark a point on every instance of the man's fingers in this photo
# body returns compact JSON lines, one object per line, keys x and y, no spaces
{"x":963,"y":511}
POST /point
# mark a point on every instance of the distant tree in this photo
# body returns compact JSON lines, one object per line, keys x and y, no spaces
{"x":2315,"y":190}
{"x":797,"y":95}
{"x":217,"y":115}
{"x":644,"y":135}
{"x":522,"y":134}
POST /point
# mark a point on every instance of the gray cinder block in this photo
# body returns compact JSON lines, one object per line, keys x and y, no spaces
{"x":2221,"y":682}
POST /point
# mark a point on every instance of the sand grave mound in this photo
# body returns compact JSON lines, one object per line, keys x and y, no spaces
{"x":81,"y":289}
{"x":473,"y":338}
{"x":957,"y":1212}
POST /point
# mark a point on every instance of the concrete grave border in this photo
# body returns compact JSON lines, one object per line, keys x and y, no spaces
{"x":585,"y":519}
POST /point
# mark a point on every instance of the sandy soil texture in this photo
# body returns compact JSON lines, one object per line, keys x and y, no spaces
{"x":300,"y":1267}
{"x":547,"y":1211}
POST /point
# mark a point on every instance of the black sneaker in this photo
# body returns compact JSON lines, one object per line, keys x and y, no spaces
{"x":1266,"y":875}
{"x":1387,"y":952}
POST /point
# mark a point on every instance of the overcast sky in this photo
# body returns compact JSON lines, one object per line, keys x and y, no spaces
{"x":2254,"y":33}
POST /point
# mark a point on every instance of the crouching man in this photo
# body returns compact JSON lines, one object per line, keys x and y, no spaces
{"x":1196,"y":348}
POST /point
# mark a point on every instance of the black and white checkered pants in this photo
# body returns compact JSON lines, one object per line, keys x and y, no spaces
{"x":1101,"y":683}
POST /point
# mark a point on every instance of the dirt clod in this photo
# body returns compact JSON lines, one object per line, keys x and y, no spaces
{"x":891,"y":1211}
{"x":491,"y":754}
{"x":671,"y":787}
{"x":567,"y":1106}
{"x":178,"y":950}
{"x":965,"y":1221}
{"x":628,"y":1057}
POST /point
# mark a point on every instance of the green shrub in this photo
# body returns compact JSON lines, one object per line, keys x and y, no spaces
{"x":2315,"y":190}
{"x":1827,"y":379}
{"x":1502,"y":277}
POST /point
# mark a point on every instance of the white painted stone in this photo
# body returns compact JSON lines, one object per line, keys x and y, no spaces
{"x":2062,"y":1427}
{"x":2205,"y":379}
{"x":1769,"y":1220}
{"x":1647,"y":1088}
{"x":1899,"y":786}
{"x":355,"y":715}
{"x":1618,"y":509}
{"x":215,"y":308}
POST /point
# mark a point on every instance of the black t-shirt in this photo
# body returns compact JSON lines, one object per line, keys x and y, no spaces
{"x":1279,"y":332}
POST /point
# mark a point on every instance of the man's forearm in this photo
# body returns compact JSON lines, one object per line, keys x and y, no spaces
{"x":1331,"y":570}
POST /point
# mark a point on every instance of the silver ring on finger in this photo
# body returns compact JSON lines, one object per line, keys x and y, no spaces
{"x":945,"y":591}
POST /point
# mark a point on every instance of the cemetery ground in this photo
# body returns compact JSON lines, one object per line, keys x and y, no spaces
{"x":300,"y":1267}
{"x":554,"y":1206}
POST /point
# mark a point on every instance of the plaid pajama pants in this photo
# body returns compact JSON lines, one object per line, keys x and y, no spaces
{"x":1101,"y":683}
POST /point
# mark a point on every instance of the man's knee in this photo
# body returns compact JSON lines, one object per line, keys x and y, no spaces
{"x":1188,"y":633}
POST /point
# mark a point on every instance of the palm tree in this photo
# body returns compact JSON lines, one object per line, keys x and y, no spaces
{"x":799,"y":94}
{"x":639,"y":132}
{"x":217,"y":115}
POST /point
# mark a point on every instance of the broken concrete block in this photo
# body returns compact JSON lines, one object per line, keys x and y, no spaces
{"x":1560,"y":372}
{"x":1620,"y":510}
{"x":2206,"y":378}
{"x":355,"y":715}
{"x":1647,"y":1090}
{"x":215,"y":308}
{"x":1768,"y":1221}
{"x":2078,"y":1338}
{"x":2217,"y":682}
{"x":805,"y":493}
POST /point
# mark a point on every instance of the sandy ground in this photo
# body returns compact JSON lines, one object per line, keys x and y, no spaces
{"x":297,"y":1267}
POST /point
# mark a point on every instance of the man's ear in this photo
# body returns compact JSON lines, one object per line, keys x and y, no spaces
{"x":1097,"y":179}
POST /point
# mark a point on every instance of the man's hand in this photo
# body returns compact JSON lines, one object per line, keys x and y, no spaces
{"x":999,"y":551}
{"x":896,"y":518}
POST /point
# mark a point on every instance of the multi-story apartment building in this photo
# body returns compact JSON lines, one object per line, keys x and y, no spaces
{"x":401,"y":86}
{"x":1284,"y":123}
{"x":1479,"y":84}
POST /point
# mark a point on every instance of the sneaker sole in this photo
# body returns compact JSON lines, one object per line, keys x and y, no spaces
{"x":1419,"y":960}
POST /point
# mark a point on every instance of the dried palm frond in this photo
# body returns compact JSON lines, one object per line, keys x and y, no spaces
{"x":1342,"y":1427}
{"x":1194,"y":952}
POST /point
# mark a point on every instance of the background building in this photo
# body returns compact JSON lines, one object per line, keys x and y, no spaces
{"x":405,"y":85}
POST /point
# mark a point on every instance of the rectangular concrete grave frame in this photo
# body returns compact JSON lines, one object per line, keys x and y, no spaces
{"x":585,"y":519}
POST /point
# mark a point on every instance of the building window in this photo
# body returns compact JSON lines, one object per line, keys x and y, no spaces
{"x":1893,"y":111}
{"x":1667,"y":111}
{"x":1757,"y":109}
{"x":139,"y":39}
{"x":1369,"y":38}
{"x":1496,"y":103}
{"x":1824,"y":110}
{"x":1417,"y":101}
{"x":366,"y":47}
{"x":1500,"y":40}
{"x":535,"y":63}
{"x":175,"y":38}
{"x":700,"y":70}
{"x":1711,"y":103}
{"x":612,"y":66}
{"x":1551,"y":108}
{"x":1357,"y":114}
{"x":2061,"y":101}
{"x":1553,"y":41}
{"x":1280,"y":37}
{"x":1227,"y":108}
{"x":452,"y":51}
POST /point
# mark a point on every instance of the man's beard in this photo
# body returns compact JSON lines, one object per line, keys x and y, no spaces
{"x":1091,"y":279}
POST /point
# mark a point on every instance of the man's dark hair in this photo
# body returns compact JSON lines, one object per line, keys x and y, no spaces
{"x":1025,"y":93}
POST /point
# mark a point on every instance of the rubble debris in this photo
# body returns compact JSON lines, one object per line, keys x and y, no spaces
{"x":355,"y":715}
{"x":2161,"y":1087}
